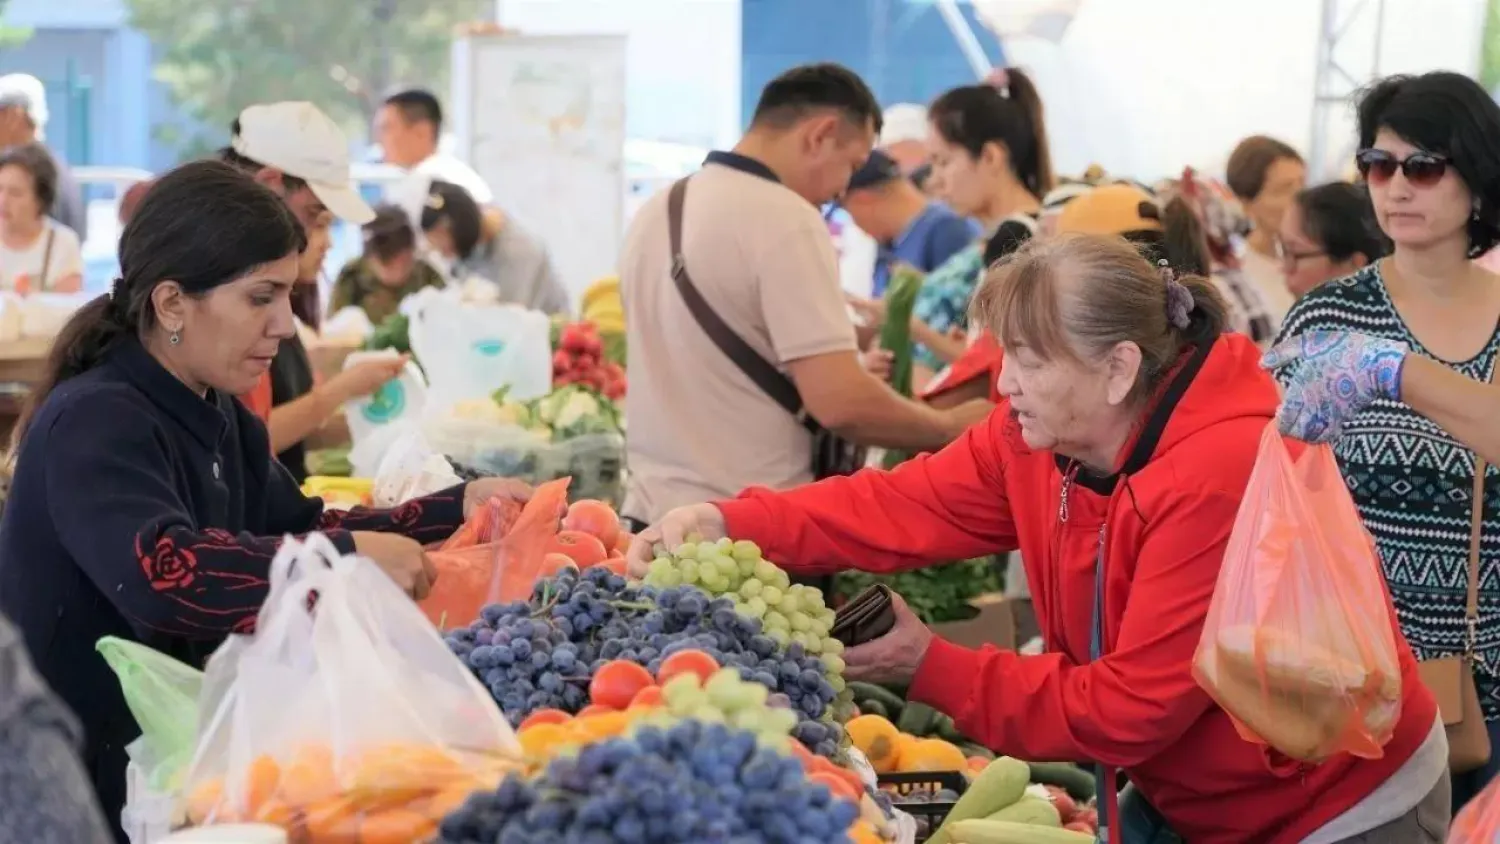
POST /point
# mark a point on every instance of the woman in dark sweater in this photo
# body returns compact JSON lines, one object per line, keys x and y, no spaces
{"x":145,"y":502}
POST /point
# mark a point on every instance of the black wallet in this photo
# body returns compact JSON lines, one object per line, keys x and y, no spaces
{"x":867,"y":616}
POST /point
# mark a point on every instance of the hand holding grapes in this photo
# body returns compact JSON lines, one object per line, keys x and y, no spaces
{"x":895,"y":656}
{"x":704,"y":520}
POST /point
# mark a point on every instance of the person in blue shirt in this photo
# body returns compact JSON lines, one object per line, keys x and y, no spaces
{"x":908,"y":228}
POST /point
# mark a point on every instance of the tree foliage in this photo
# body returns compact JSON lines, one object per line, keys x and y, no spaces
{"x":11,"y":36}
{"x":1489,"y":67}
{"x":218,"y":56}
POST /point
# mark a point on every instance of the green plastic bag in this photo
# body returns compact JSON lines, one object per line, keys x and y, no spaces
{"x":162,"y":694}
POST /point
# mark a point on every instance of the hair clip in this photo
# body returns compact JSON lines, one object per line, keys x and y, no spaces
{"x":1179,"y":299}
{"x":999,"y":79}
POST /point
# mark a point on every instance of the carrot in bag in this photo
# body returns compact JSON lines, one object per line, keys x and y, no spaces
{"x":467,"y":564}
{"x":1298,"y":645}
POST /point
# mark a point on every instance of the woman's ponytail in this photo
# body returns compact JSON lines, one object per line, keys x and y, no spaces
{"x":1184,"y":242}
{"x":80,"y":346}
{"x":1036,"y":171}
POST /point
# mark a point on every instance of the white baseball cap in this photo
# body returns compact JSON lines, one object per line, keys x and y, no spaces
{"x":26,"y":92}
{"x":298,"y":139}
{"x":903,"y":122}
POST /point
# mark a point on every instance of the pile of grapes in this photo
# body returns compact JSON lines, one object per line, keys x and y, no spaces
{"x":542,"y":653}
{"x":690,"y":782}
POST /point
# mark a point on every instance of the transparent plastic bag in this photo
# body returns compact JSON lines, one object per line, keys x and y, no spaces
{"x":471,"y":350}
{"x":1299,"y":646}
{"x":162,"y":694}
{"x":344,"y":717}
{"x":410,"y":468}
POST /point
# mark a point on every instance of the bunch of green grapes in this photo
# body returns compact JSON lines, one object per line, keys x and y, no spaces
{"x":727,"y":699}
{"x":759,"y":588}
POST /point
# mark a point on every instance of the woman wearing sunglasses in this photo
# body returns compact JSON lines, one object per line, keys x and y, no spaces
{"x":1428,"y":155}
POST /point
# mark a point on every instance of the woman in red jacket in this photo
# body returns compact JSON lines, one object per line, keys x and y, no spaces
{"x":1115,"y":464}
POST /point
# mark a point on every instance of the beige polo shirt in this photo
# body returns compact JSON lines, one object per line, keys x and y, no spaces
{"x":762,"y":256}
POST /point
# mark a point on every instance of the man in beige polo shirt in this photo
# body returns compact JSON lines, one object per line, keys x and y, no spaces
{"x":756,"y":247}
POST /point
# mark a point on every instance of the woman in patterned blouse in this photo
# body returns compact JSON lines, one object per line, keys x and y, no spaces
{"x":1428,"y":154}
{"x":991,"y":161}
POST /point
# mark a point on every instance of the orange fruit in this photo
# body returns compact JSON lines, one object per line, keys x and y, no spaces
{"x":205,"y":801}
{"x":687,"y":662}
{"x":650,"y":696}
{"x":594,"y":709}
{"x":543,"y":740}
{"x":396,"y":774}
{"x":604,"y":725}
{"x":930,"y":754}
{"x":276,"y":813}
{"x":439,"y":805}
{"x":878,"y":739}
{"x":396,"y":826}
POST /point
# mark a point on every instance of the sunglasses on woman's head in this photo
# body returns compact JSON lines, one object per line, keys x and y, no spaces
{"x":1423,"y":169}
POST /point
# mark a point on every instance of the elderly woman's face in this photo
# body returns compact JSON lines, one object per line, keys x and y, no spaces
{"x":18,"y":199}
{"x":1062,"y":405}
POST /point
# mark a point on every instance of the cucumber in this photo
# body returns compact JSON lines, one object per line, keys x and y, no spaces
{"x":1001,"y":783}
{"x":971,"y":748}
{"x":1030,"y":810}
{"x":895,"y":334}
{"x":944,"y":729}
{"x":1069,"y":777}
{"x":889,"y":701}
{"x":918,"y":719}
{"x":983,"y":831}
{"x":873,"y":707}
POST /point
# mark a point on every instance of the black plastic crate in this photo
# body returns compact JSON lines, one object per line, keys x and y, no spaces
{"x":929,"y":813}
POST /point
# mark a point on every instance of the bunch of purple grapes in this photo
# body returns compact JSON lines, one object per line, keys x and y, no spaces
{"x":691,"y":782}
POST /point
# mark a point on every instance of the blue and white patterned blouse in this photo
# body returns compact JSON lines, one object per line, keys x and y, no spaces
{"x":1413,"y":483}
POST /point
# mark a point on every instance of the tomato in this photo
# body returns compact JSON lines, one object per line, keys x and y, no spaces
{"x":552,"y":564}
{"x":594,"y":518}
{"x":1066,"y":806}
{"x":622,"y":545}
{"x":649,"y":696}
{"x":617,"y":683}
{"x":546,"y":716}
{"x":583,"y":549}
{"x":687,"y":662}
{"x":617,"y":565}
{"x":594,"y":709}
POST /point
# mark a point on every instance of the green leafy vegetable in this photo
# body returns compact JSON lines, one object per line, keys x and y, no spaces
{"x":937,"y":593}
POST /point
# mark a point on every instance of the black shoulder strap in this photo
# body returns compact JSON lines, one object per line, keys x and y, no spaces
{"x":766,"y":376}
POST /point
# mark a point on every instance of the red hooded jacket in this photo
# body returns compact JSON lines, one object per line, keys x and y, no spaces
{"x":1160,"y":528}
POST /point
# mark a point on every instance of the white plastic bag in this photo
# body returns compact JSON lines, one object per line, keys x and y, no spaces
{"x":470,"y":351}
{"x":411,"y":469}
{"x":344,"y":711}
{"x":349,"y":323}
{"x":400,"y":401}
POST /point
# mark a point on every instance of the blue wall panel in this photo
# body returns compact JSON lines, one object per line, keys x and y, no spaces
{"x":902,"y":48}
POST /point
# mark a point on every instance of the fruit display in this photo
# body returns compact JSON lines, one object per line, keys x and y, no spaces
{"x":603,"y":307}
{"x":692,"y":781}
{"x":546,"y":653}
{"x":911,"y":719}
{"x":573,"y":432}
{"x":578,"y":358}
{"x":340,"y":493}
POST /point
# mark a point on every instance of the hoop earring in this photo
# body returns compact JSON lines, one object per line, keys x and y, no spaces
{"x":175,"y":338}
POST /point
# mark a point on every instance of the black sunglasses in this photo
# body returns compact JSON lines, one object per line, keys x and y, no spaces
{"x":1423,"y":169}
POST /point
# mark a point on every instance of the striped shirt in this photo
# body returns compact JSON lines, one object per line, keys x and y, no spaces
{"x":1412,"y":482}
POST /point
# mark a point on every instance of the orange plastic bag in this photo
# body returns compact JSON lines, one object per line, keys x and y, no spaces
{"x":476,"y":566}
{"x":1479,"y":821}
{"x":1298,"y":645}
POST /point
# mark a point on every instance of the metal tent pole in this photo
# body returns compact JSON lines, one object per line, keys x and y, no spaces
{"x":968,"y":42}
{"x":1347,"y":25}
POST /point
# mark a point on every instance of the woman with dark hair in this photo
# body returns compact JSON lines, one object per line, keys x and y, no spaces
{"x":1329,"y":232}
{"x":489,"y":244}
{"x":37,"y":253}
{"x":145,"y":502}
{"x":991,"y":163}
{"x":1265,"y":174}
{"x":1428,"y":154}
{"x":387,"y":272}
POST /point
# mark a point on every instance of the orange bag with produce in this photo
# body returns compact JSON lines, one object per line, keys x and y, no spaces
{"x":1298,"y":646}
{"x":1479,"y":820}
{"x":342,"y":719}
{"x":487,"y":559}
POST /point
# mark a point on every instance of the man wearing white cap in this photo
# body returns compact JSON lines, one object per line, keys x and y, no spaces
{"x":23,"y":120}
{"x":299,"y":152}
{"x":903,"y":135}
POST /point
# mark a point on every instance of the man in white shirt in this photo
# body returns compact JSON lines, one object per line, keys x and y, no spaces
{"x":408,"y":128}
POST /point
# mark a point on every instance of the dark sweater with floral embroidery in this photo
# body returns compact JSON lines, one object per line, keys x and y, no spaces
{"x":142,"y":510}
